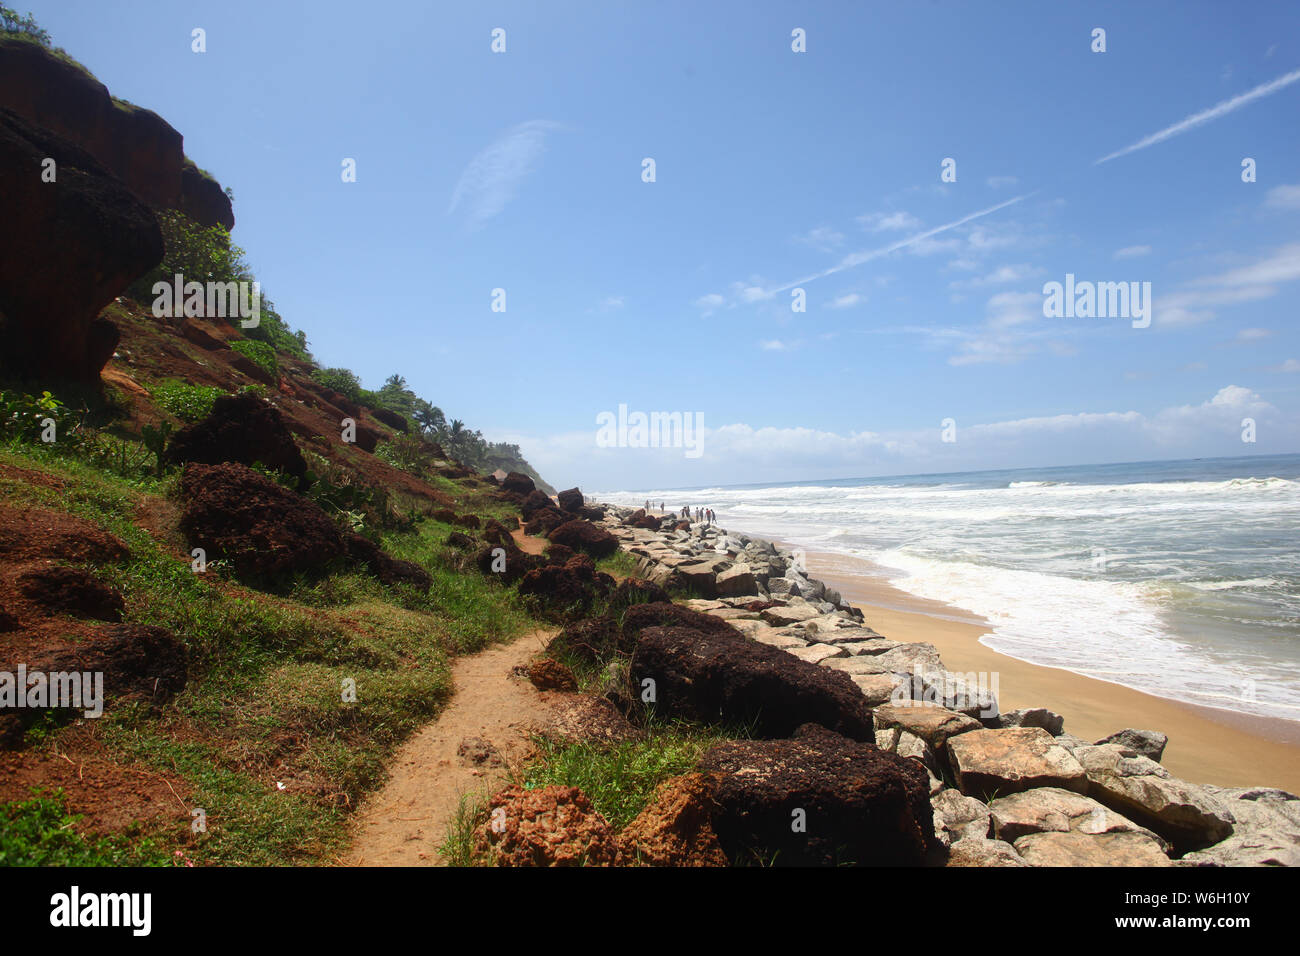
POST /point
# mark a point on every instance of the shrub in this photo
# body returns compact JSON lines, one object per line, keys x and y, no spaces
{"x":25,"y":417}
{"x":341,"y":380}
{"x":24,"y":27}
{"x":259,"y":353}
{"x":189,"y":403}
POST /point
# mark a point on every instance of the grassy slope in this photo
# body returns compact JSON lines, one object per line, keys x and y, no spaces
{"x":264,"y":704}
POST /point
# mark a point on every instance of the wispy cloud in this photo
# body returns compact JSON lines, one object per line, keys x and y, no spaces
{"x":847,"y":301}
{"x":493,"y":177}
{"x":1283,"y":197}
{"x":1132,"y":252}
{"x":1250,"y":283}
{"x":997,"y":182}
{"x":1206,"y":116}
{"x":886,"y":222}
{"x":858,"y":258}
{"x":823,"y":237}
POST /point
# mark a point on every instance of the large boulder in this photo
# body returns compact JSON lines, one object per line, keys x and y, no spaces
{"x":240,"y":428}
{"x":981,"y":852}
{"x":1148,"y":743}
{"x":819,"y":799}
{"x":934,"y":725}
{"x":1053,"y":810}
{"x":1076,"y":848}
{"x":570,"y":500}
{"x":517,"y":483}
{"x":534,"y":502}
{"x":1266,"y":831}
{"x":1188,"y":816}
{"x":67,"y":249}
{"x":566,"y":591}
{"x":988,"y":762}
{"x":581,"y":535}
{"x":262,"y":528}
{"x":719,"y":677}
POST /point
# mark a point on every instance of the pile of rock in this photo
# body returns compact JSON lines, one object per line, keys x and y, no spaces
{"x":1008,"y":789}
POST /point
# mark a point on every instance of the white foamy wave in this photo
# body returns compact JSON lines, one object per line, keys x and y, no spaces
{"x":1109,"y":630}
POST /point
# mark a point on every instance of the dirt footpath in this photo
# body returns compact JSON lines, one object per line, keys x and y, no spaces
{"x":472,"y":746}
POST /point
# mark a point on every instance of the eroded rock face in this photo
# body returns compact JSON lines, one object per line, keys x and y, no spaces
{"x":262,"y":528}
{"x":676,"y":827}
{"x":1266,"y":831}
{"x":137,"y":146}
{"x":67,"y":249}
{"x":549,"y":826}
{"x":934,"y":725}
{"x":722,"y":677}
{"x":860,"y":805}
{"x":1148,"y":743}
{"x":958,"y":817}
{"x":240,"y":428}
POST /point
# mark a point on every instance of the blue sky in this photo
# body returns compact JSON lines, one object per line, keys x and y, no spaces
{"x":523,"y":170}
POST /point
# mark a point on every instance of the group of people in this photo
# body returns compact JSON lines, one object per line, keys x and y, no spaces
{"x":707,"y":515}
{"x":701,"y":514}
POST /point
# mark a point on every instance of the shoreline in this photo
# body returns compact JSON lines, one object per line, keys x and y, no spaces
{"x":1206,"y":744}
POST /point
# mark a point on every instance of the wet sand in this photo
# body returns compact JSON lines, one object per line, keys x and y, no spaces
{"x":1206,"y":745}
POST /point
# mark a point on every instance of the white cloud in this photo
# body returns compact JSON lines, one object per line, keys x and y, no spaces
{"x":885,"y":222}
{"x":710,"y":302}
{"x":823,"y":237}
{"x":1290,"y":365}
{"x":1132,"y":252}
{"x":1253,"y":335}
{"x":772,"y":345}
{"x":847,"y":301}
{"x":745,"y":452}
{"x":612,"y":302}
{"x":1197,"y":300}
{"x":999,"y":276}
{"x":493,"y":177}
{"x":1206,"y":116}
{"x":1283,"y":197}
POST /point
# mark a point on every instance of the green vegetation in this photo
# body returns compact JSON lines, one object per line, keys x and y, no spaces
{"x":41,"y":832}
{"x":189,"y":403}
{"x":340,"y":380}
{"x":26,"y":28}
{"x":260,"y":353}
{"x":265,"y":704}
{"x":620,"y":779}
{"x":203,"y":254}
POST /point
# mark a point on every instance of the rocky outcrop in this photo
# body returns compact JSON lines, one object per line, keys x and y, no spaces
{"x":135,"y":145}
{"x":67,"y":249}
{"x":243,"y":429}
{"x":263,"y":529}
{"x":570,"y":500}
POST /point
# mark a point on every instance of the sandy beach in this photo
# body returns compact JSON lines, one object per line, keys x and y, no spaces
{"x":1206,"y":745}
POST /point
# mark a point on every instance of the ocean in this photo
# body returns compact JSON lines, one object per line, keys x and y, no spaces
{"x":1177,"y":578}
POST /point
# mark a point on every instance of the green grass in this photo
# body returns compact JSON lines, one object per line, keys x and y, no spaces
{"x":620,"y":779}
{"x":620,"y":564}
{"x":264,"y":699}
{"x":41,"y":832}
{"x":457,"y":849}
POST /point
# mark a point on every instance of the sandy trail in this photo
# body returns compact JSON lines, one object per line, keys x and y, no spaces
{"x":404,"y":824}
